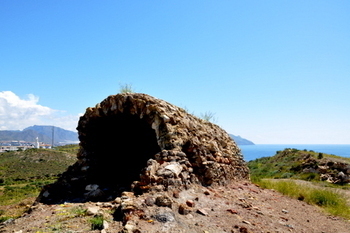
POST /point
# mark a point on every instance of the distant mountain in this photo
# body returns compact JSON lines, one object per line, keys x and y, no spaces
{"x":29,"y":136}
{"x":62,"y":136}
{"x":241,"y":141}
{"x":44,"y":133}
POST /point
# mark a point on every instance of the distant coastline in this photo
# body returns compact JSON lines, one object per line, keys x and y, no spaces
{"x":241,"y":141}
{"x":252,"y":152}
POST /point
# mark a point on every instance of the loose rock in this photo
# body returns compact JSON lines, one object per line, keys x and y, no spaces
{"x":202,"y":212}
{"x":164,"y":201}
{"x":184,"y":209}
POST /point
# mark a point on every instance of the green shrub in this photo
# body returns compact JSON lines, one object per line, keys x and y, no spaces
{"x":310,"y":176}
{"x":327,"y":198}
{"x":126,"y":88}
{"x":4,"y":218}
{"x":287,"y":175}
{"x":97,"y":222}
{"x":320,"y":156}
{"x":79,"y":211}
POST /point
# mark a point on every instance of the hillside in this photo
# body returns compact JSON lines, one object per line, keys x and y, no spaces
{"x":241,"y":141}
{"x":23,"y":173}
{"x":237,"y":207}
{"x":33,"y":164}
{"x":44,"y":133}
{"x":304,"y":165}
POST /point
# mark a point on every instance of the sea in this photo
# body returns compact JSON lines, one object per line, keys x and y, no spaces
{"x":251,"y":152}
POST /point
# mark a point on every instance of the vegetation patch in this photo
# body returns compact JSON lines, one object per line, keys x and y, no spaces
{"x":302,"y":164}
{"x":328,"y":173}
{"x":330,"y":200}
{"x":79,"y":211}
{"x":97,"y":222}
{"x":23,"y":173}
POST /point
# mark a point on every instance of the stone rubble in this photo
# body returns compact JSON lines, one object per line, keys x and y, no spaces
{"x":330,"y":171}
{"x":118,"y":134}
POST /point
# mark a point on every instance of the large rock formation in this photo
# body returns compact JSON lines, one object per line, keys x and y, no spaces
{"x":138,"y":143}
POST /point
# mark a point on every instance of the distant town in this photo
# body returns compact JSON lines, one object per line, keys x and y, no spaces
{"x":21,"y":145}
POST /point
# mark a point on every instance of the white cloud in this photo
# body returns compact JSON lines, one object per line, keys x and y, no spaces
{"x":17,"y":113}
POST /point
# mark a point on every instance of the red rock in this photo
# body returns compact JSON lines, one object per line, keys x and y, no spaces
{"x":190,"y":203}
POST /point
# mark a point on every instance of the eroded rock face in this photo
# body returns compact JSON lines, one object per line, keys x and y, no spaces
{"x":138,"y":143}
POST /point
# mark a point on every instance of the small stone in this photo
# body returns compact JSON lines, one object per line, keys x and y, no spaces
{"x":128,"y":194}
{"x":202,"y":212}
{"x":129,"y":227}
{"x":46,"y":194}
{"x":206,"y":192}
{"x":150,"y":201}
{"x":246,"y":222}
{"x":285,"y":211}
{"x":190,"y":203}
{"x":91,"y":187}
{"x":181,"y":154}
{"x":118,"y":200}
{"x":107,"y":205}
{"x":175,"y":168}
{"x":105,"y":224}
{"x":93,"y":210}
{"x":165,"y":217}
{"x":85,"y":168}
{"x":232,"y":211}
{"x":184,"y":209}
{"x":243,"y":230}
{"x":127,"y":205}
{"x":259,"y":212}
{"x":176,"y":193}
{"x":163,"y":201}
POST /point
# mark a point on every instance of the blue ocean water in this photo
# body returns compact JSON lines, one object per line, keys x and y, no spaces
{"x":251,"y":152}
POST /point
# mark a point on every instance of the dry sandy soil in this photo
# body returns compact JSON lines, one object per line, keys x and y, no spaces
{"x":238,"y":207}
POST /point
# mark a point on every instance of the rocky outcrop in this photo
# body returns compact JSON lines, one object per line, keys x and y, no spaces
{"x":135,"y":142}
{"x":334,"y":172}
{"x":329,"y":170}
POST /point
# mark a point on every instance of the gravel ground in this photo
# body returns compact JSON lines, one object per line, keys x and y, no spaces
{"x":238,"y":207}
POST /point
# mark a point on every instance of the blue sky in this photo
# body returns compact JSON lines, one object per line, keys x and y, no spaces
{"x":271,"y":71}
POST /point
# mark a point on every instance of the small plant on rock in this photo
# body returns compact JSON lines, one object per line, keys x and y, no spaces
{"x":208,"y":116}
{"x":126,"y":88}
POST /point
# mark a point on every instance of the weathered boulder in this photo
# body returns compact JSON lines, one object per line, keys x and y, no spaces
{"x":135,"y":142}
